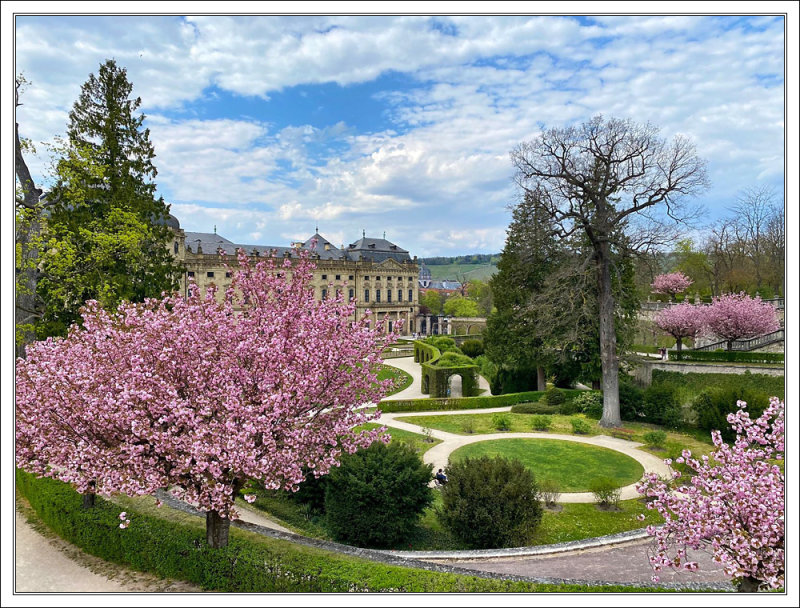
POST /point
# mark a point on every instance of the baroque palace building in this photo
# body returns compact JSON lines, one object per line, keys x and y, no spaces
{"x":377,"y":274}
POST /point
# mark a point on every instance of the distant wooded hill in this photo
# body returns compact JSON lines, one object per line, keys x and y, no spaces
{"x":479,"y":266}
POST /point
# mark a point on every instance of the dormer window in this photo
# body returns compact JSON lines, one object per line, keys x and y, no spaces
{"x":372,"y":245}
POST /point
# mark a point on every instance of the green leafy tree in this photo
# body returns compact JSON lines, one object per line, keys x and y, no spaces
{"x":458,"y":306}
{"x":432,"y":300}
{"x":480,"y":293}
{"x":105,"y":236}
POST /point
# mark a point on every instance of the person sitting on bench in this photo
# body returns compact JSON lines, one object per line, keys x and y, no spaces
{"x":441,"y":477}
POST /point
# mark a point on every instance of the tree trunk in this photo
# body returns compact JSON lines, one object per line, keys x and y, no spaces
{"x":679,"y":344}
{"x":608,"y":339}
{"x":730,"y":344}
{"x":748,"y":585}
{"x":217,"y":528}
{"x":88,"y":500}
{"x":541,"y":379}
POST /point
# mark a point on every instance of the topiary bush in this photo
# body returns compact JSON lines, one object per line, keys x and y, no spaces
{"x":490,"y":502}
{"x":472,"y":348}
{"x":541,"y":423}
{"x":376,"y":496}
{"x":453,"y":359}
{"x":580,"y":426}
{"x":712,"y":407}
{"x":554,"y":396}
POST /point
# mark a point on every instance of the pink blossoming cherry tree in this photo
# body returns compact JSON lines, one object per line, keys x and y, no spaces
{"x":737,"y":316}
{"x":671,"y":284}
{"x":682,"y":321}
{"x":732,"y":505}
{"x":200,"y":396}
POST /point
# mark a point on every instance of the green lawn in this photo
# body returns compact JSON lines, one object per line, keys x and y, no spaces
{"x":573,"y":465}
{"x":402,"y":380}
{"x":417,"y":441}
{"x":479,"y":272}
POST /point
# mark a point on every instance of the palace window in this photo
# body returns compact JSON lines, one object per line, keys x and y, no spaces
{"x":366,"y":295}
{"x":399,"y":295}
{"x":190,"y":273}
{"x":410,"y":295}
{"x":350,"y":278}
{"x":210,"y":274}
{"x":227,"y":275}
{"x":338,"y":277}
{"x":366,"y":278}
{"x":388,"y":295}
{"x":324,"y":293}
{"x":176,"y":246}
{"x":377,"y":295}
{"x":324,"y":277}
{"x":351,"y":293}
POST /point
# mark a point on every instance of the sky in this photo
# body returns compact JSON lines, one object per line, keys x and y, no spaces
{"x":266,"y":127}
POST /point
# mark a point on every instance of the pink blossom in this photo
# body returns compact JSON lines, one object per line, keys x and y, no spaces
{"x":199,"y":396}
{"x":671,"y":283}
{"x":251,"y":498}
{"x":738,"y":316}
{"x":682,"y":321}
{"x":734,"y":507}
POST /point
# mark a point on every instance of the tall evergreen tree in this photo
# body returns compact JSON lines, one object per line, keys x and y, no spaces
{"x":105,"y":237}
{"x":510,"y":341}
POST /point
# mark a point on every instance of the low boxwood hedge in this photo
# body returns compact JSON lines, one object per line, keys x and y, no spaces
{"x":724,"y":356}
{"x":466,"y":403}
{"x":250,"y":563}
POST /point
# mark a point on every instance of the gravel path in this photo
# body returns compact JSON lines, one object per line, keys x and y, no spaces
{"x":45,"y":563}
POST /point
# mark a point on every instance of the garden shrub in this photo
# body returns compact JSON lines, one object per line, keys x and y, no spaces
{"x":472,"y":348}
{"x":514,"y":381}
{"x":541,"y":423}
{"x":712,"y":407}
{"x":656,"y":439}
{"x":660,"y":406}
{"x":554,"y":396}
{"x":631,"y":401}
{"x":580,"y":426}
{"x":549,"y":491}
{"x":501,"y":422}
{"x":570,"y":407}
{"x":605,"y":490}
{"x":534,"y":408}
{"x":443,"y":343}
{"x":250,"y":564}
{"x":589,"y":403}
{"x":468,"y":426}
{"x":727,"y":356}
{"x":311,"y":492}
{"x":376,"y":496}
{"x":490,"y":502}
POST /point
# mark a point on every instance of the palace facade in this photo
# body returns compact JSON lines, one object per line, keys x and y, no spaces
{"x":377,"y":274}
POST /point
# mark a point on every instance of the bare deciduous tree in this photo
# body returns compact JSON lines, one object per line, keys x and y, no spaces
{"x":609,"y":180}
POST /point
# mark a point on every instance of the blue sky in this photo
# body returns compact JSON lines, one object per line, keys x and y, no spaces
{"x":267,"y":126}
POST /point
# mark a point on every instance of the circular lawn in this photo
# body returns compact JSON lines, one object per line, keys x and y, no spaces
{"x":572,"y":465}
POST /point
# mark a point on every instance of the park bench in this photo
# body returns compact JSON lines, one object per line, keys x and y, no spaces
{"x":623,"y":434}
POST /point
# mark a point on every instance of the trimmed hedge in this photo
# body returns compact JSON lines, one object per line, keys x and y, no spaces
{"x":467,"y":403}
{"x":250,"y":563}
{"x":726,"y":356}
{"x":438,"y":368}
{"x":535,"y":408}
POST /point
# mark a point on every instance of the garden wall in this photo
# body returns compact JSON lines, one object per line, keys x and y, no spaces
{"x":644,"y":369}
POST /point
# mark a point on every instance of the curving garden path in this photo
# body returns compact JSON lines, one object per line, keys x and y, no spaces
{"x":438,"y":455}
{"x":46,"y":564}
